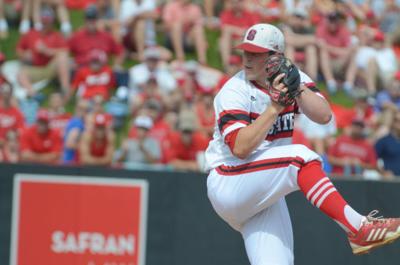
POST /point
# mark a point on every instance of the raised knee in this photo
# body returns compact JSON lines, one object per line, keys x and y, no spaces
{"x":305,"y":153}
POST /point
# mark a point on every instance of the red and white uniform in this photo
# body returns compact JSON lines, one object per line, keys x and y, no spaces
{"x":263,"y":178}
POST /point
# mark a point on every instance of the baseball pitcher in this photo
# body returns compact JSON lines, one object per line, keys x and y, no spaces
{"x":253,"y":164}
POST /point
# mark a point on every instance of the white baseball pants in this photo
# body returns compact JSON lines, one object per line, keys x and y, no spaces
{"x":250,"y":198}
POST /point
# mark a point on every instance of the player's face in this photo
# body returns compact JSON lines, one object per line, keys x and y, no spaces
{"x":254,"y":65}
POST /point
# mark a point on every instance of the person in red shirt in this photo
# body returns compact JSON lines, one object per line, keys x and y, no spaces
{"x":39,"y":143}
{"x":235,"y":20}
{"x":11,"y":118}
{"x":96,"y":78}
{"x":188,"y":145}
{"x":44,"y":54}
{"x":97,"y":143}
{"x":351,"y":154}
{"x":90,"y":38}
{"x":335,"y":48}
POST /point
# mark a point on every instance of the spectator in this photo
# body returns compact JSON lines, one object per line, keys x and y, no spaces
{"x":194,"y":79}
{"x":160,"y":130}
{"x":97,"y":107}
{"x":390,"y":97}
{"x":137,"y":18}
{"x":62,"y":12}
{"x":300,"y":42}
{"x":374,"y":62}
{"x":89,"y":37}
{"x":96,"y":78}
{"x":73,"y":133}
{"x":152,"y":67}
{"x":387,"y":101}
{"x":388,"y":147}
{"x":58,"y":116}
{"x":39,"y":143}
{"x":96,"y":147}
{"x":150,"y":90}
{"x":352,"y":154}
{"x":183,"y":22}
{"x":108,"y":17}
{"x":389,"y":17}
{"x":188,"y":144}
{"x":11,"y":118}
{"x":335,"y":48}
{"x":9,"y":151}
{"x":235,"y":20}
{"x":44,"y":54}
{"x":142,"y":149}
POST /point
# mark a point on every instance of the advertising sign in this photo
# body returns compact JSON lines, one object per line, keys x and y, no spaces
{"x":63,"y":220}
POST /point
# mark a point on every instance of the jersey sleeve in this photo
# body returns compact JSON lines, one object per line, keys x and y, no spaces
{"x":232,"y":110}
{"x":309,"y":83}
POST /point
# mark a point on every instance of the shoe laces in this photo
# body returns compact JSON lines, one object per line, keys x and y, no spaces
{"x":372,"y":218}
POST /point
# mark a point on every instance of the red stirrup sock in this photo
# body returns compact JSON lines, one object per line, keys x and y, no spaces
{"x":320,"y":191}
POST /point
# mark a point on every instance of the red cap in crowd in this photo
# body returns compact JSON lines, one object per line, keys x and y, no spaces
{"x":379,"y":36}
{"x":43,"y":115}
{"x":100,"y":120}
{"x":370,"y":14}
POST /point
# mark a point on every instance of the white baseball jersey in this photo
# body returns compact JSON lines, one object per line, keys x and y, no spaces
{"x":237,"y":104}
{"x":249,"y":194}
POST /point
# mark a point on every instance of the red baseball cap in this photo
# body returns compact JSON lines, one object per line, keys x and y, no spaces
{"x":262,"y":38}
{"x":379,"y":36}
{"x":100,"y":120}
{"x":43,"y":115}
{"x":370,"y":14}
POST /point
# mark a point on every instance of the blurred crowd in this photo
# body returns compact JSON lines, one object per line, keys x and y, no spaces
{"x":133,"y":86}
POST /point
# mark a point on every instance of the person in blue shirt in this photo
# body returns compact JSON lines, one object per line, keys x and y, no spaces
{"x":388,"y":147}
{"x":73,"y":132}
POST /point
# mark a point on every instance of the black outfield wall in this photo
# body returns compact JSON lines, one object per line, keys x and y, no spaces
{"x":184,"y":230}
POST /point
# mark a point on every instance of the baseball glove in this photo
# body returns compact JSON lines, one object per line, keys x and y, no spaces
{"x":276,"y":65}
